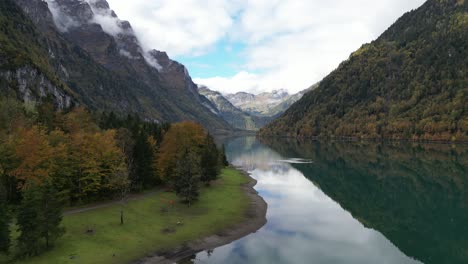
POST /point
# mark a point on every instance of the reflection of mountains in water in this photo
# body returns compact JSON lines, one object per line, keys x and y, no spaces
{"x":414,"y":194}
{"x":249,"y":154}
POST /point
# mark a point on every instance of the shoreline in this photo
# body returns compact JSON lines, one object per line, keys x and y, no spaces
{"x":357,"y":139}
{"x":256,"y":219}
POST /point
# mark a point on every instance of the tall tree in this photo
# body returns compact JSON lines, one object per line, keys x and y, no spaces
{"x":28,"y":220}
{"x":209,"y":161}
{"x":4,"y":222}
{"x":181,"y":137}
{"x":50,"y":214}
{"x":222,"y":157}
{"x":36,"y":156}
{"x":187,"y":176}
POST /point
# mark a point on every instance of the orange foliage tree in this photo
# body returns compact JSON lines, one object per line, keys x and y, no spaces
{"x":180,"y":138}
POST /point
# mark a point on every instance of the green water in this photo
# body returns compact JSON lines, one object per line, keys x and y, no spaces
{"x":354,"y":202}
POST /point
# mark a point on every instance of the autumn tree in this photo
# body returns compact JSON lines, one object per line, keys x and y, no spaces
{"x":181,"y":137}
{"x":35,"y":155}
{"x":97,"y":160}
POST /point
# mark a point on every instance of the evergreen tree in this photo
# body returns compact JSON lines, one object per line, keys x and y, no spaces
{"x":143,"y":175}
{"x":209,"y":161}
{"x":222,"y":157}
{"x":51,"y":214}
{"x":39,"y":217}
{"x":28,"y":221}
{"x":187,"y":176}
{"x":4,"y":222}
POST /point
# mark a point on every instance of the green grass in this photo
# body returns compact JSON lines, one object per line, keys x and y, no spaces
{"x":219,"y":206}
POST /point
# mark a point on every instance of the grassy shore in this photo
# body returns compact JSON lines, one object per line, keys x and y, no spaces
{"x":151,"y":224}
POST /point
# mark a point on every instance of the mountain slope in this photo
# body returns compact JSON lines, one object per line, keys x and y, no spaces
{"x":410,"y":83}
{"x":233,"y":115}
{"x":260,"y":104}
{"x":24,"y":61}
{"x":105,"y":70}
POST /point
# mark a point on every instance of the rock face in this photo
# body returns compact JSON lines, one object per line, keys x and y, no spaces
{"x":33,"y":86}
{"x":97,"y":56}
{"x":233,"y":115}
{"x":268,"y":104}
{"x":260,"y":104}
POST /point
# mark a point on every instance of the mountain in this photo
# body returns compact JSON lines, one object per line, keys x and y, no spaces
{"x":247,"y":111}
{"x":80,"y":52}
{"x":261,"y":104}
{"x":233,"y":115}
{"x":410,"y":83}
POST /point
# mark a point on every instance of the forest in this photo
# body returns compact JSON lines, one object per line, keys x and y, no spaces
{"x":410,"y":83}
{"x":53,"y":160}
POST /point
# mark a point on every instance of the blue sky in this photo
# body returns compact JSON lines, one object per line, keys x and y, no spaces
{"x":223,"y":59}
{"x":259,"y":45}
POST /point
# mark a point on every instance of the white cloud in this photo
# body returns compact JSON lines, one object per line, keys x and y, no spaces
{"x":62,"y":22}
{"x":290,"y":44}
{"x":178,"y":27}
{"x":243,"y":81}
{"x":103,"y":17}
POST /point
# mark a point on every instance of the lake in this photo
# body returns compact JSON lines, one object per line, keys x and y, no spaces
{"x":353,"y":202}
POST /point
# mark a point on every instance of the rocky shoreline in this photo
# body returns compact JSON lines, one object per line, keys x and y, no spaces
{"x":256,"y":218}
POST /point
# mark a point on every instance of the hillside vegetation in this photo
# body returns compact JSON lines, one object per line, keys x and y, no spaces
{"x":411,"y":83}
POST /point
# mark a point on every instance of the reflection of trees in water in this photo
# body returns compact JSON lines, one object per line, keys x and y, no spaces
{"x":415,"y":194}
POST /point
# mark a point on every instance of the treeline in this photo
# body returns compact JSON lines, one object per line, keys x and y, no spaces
{"x":53,"y":159}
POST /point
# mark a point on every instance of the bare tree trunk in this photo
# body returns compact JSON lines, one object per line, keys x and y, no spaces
{"x":121,"y":216}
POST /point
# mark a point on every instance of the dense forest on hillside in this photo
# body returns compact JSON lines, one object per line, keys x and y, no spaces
{"x":410,"y":83}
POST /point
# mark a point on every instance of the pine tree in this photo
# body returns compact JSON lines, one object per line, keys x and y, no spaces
{"x":39,"y":217}
{"x":51,"y":214}
{"x":4,"y":222}
{"x":187,"y":177}
{"x":143,"y":174}
{"x":209,"y":161}
{"x":222,"y":157}
{"x":28,"y":218}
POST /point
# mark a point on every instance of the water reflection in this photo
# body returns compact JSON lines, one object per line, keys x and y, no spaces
{"x":353,"y":203}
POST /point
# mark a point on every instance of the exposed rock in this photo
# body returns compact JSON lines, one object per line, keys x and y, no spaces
{"x":32,"y":86}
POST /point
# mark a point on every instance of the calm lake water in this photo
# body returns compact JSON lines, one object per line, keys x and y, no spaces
{"x":353,"y":202}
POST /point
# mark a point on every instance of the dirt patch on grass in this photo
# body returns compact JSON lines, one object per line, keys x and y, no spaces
{"x":256,"y":218}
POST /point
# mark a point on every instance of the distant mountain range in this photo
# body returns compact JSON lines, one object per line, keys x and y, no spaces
{"x":410,"y":83}
{"x":75,"y":52}
{"x":247,"y":111}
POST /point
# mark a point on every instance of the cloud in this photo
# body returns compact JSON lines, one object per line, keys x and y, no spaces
{"x":242,"y":81}
{"x":178,"y":27}
{"x":63,"y":22}
{"x":104,"y":17}
{"x":289,"y":44}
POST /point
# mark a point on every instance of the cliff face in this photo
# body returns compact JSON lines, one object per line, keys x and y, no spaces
{"x":33,"y":86}
{"x":233,"y":115}
{"x":411,"y":83}
{"x":97,"y":58}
